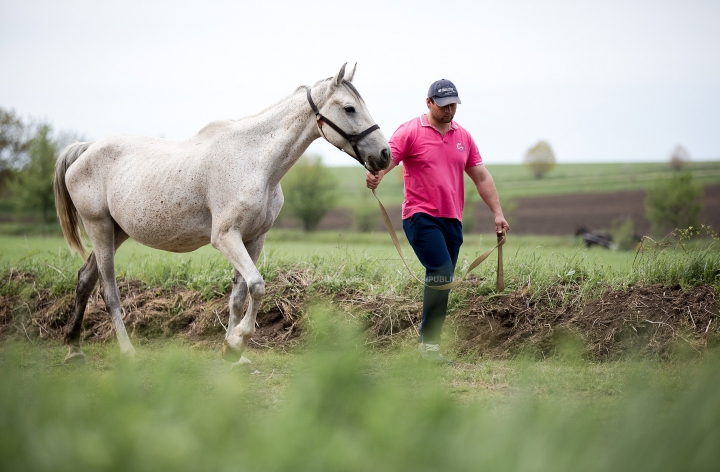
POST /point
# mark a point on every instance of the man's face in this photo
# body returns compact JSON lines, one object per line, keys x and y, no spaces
{"x":442,"y":114}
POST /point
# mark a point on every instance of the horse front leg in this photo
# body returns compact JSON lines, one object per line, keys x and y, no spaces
{"x":237,"y":301}
{"x":247,"y":281}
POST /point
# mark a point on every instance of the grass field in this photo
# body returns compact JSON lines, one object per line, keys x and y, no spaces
{"x":369,"y":263}
{"x":285,"y":245}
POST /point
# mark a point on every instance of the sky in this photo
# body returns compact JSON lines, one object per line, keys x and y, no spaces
{"x":610,"y":81}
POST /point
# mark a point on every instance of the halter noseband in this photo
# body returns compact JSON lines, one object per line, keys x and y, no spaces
{"x":353,"y":139}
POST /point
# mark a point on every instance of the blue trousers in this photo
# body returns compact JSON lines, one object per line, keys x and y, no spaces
{"x":436,"y":242}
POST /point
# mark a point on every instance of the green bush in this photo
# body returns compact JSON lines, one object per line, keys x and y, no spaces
{"x":624,"y":235}
{"x":309,"y":190}
{"x":674,"y":203}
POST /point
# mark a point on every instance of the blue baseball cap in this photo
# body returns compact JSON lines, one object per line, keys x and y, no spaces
{"x":443,"y":92}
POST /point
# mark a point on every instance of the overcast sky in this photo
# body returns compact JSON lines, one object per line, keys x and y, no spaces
{"x":601,"y":81}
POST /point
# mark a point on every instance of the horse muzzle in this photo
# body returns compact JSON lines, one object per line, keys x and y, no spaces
{"x":377,"y":163}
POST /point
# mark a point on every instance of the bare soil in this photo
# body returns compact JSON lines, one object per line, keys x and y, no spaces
{"x":648,"y":320}
{"x":563,"y":214}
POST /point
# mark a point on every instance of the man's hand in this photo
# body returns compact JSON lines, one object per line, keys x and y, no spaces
{"x":501,"y":224}
{"x":373,"y":180}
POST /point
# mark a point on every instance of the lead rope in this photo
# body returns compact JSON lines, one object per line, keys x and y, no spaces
{"x":500,"y":283}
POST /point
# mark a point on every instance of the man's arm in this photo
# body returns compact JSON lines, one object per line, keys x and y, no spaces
{"x":372,"y":181}
{"x":486,"y":189}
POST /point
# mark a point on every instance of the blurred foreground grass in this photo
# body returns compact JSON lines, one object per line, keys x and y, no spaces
{"x":335,"y":405}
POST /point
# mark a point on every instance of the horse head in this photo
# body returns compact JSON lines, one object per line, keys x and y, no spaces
{"x":352,"y":129}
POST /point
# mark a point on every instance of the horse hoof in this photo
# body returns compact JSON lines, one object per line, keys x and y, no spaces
{"x":243,"y":364}
{"x":129,"y":355}
{"x":75,"y":356}
{"x":230,"y":355}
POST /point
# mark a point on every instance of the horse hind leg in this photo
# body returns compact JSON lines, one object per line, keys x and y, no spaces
{"x":88,"y":276}
{"x":87,"y":279}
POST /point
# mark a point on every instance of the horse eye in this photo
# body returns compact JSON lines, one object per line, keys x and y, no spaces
{"x":350,"y":109}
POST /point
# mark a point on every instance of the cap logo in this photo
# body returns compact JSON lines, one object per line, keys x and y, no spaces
{"x":443,"y":90}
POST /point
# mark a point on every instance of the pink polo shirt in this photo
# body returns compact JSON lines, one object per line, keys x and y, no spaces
{"x":433,"y":167}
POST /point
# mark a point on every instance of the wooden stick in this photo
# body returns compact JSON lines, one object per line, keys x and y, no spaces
{"x":500,"y":285}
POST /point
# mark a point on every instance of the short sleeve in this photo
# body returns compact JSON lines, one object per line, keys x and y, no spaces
{"x":474,"y":158}
{"x":401,"y":142}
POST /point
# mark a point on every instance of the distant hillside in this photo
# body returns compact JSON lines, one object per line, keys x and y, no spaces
{"x":596,"y":196}
{"x":558,"y":215}
{"x":515,"y":181}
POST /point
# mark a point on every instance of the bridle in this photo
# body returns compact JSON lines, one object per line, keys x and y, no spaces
{"x":353,"y":139}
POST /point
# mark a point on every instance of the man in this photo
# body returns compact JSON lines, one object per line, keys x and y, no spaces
{"x":435,"y":151}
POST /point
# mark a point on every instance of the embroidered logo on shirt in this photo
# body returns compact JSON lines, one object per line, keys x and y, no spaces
{"x":460,"y":147}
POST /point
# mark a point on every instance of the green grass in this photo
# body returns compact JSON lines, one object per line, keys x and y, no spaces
{"x":367,"y":262}
{"x":335,"y":405}
{"x":284,"y":245}
{"x":364,"y":262}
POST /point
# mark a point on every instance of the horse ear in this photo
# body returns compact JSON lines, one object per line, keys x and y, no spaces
{"x":337,"y":80}
{"x":349,"y":76}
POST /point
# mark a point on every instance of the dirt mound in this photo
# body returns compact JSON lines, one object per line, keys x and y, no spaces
{"x":642,"y":319}
{"x":652,"y":320}
{"x":153,"y":313}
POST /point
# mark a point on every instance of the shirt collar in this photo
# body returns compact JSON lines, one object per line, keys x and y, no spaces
{"x":424,"y":122}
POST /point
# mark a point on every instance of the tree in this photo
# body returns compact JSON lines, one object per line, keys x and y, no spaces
{"x":365,"y":212}
{"x":14,"y":139}
{"x":33,"y":187}
{"x":679,"y":158}
{"x":309,"y":190}
{"x":14,"y":143}
{"x":673,"y":203}
{"x":540,"y":159}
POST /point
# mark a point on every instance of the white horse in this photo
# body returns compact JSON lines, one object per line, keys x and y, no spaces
{"x":222,"y":186}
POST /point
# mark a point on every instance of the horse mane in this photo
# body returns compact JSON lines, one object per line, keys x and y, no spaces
{"x":347,"y":84}
{"x":353,"y":90}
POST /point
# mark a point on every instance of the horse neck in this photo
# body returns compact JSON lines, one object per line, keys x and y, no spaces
{"x":289,"y":128}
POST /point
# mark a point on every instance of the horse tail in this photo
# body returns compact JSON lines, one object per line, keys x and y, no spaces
{"x":66,"y":211}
